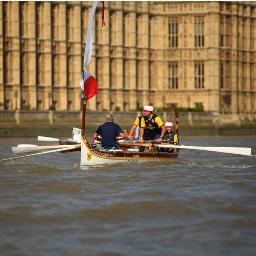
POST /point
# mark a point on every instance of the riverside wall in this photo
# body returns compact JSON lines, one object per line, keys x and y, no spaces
{"x":55,"y":123}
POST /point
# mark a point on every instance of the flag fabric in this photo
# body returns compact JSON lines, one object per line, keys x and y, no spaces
{"x":88,"y":83}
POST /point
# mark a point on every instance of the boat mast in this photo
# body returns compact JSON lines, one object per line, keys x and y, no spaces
{"x":84,"y":103}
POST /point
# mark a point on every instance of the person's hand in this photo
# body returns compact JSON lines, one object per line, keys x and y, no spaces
{"x":129,"y":137}
{"x":159,"y":140}
{"x":141,"y":140}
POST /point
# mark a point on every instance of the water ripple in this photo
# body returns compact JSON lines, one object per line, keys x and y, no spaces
{"x":199,"y":204}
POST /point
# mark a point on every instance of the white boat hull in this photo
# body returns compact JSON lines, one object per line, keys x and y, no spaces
{"x":90,"y":157}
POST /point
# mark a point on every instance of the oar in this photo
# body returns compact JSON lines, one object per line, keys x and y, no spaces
{"x":43,"y":138}
{"x":230,"y":150}
{"x":26,"y":148}
{"x":147,"y":143}
{"x":41,"y":153}
{"x":62,"y":142}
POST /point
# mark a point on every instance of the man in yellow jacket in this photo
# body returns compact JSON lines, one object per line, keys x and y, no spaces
{"x":151,"y":126}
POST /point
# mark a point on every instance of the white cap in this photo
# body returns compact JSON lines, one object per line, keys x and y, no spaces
{"x":148,"y":108}
{"x":168,"y":124}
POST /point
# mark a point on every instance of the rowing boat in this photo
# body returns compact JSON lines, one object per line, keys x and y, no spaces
{"x":90,"y":155}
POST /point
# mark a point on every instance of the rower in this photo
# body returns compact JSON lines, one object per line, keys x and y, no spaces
{"x":170,"y":136}
{"x":151,"y":126}
{"x":108,"y":133}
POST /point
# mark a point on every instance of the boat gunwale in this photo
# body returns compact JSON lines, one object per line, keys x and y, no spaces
{"x":125,"y":155}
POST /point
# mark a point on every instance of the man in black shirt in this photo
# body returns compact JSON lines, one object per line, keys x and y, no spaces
{"x":108,"y":133}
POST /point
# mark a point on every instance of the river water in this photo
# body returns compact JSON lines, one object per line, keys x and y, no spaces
{"x":202,"y":203}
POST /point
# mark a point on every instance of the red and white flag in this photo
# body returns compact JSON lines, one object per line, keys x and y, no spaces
{"x":88,"y":83}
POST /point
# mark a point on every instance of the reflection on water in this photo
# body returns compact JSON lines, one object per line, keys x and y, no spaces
{"x":200,"y":204}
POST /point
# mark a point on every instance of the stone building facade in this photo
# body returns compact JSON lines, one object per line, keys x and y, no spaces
{"x":173,"y":54}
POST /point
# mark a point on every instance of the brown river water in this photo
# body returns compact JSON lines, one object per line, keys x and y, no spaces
{"x":202,"y":203}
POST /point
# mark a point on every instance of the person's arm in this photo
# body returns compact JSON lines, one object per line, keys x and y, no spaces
{"x":141,"y":135}
{"x":135,"y":124}
{"x":96,"y":135}
{"x":96,"y":138}
{"x":160,"y":125}
{"x":162,"y":135}
{"x":132,"y":131}
{"x":124,"y":134}
{"x":162,"y":132}
{"x":119,"y":132}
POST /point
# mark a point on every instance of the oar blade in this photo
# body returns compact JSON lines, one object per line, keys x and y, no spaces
{"x":24,"y":149}
{"x":42,"y":153}
{"x":232,"y":150}
{"x":30,"y":148}
{"x":228,"y":150}
{"x":43,"y":138}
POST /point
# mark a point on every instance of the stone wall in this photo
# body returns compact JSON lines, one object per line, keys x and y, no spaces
{"x":60,"y":124}
{"x":56,"y":118}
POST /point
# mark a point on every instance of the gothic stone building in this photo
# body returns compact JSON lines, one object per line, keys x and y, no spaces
{"x":173,"y":54}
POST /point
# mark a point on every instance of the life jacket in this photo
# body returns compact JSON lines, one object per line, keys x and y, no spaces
{"x":169,"y":137}
{"x":151,"y":126}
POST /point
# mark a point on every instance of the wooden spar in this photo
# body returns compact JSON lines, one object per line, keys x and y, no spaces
{"x":83,"y":102}
{"x":177,"y":123}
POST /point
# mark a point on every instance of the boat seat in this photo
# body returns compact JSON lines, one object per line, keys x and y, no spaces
{"x":115,"y":150}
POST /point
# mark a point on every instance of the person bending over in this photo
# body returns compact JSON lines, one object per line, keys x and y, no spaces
{"x":151,"y":126}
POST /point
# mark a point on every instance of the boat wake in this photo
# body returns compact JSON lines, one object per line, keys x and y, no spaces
{"x":215,"y":165}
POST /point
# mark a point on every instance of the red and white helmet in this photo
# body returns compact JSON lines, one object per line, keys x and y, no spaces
{"x":148,"y":108}
{"x":168,"y":123}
